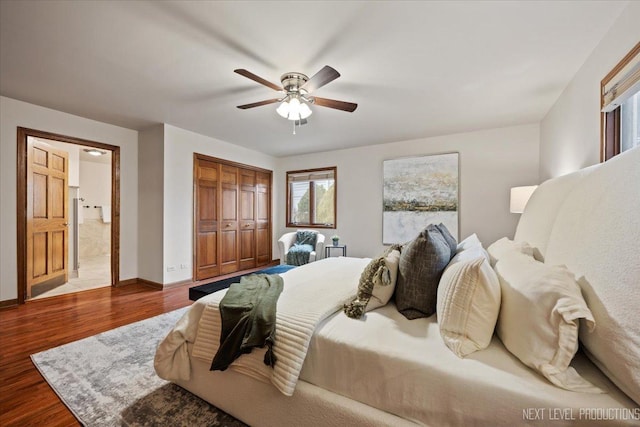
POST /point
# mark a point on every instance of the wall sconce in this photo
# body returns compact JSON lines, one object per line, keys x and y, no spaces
{"x":520,"y":197}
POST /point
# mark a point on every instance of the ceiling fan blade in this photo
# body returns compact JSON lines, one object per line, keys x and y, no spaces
{"x":338,"y":105}
{"x":250,"y":75}
{"x":258,"y":104}
{"x":321,"y":78}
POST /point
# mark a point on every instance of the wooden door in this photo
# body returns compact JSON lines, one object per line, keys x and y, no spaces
{"x":229,"y":247}
{"x":247,"y":219}
{"x":206,"y":219}
{"x":263,"y":218}
{"x":47,"y":214}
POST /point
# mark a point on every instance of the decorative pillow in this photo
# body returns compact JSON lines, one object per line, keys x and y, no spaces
{"x":504,"y":246}
{"x":468,"y":302}
{"x":377,"y":283}
{"x":451,"y":241}
{"x":305,"y":237}
{"x":469,"y":242}
{"x":421,"y":264}
{"x":539,"y":318}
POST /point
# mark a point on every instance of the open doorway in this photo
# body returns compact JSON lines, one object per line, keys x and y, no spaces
{"x":68,"y":216}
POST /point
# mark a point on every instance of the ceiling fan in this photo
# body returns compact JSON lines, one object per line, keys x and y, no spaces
{"x":297,"y":88}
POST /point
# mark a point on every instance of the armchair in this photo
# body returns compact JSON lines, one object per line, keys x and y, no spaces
{"x":288,"y":239}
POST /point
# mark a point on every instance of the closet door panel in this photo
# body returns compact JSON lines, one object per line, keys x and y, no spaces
{"x":229,"y":247}
{"x":263,"y":218}
{"x":247,"y":219}
{"x":206,"y":219}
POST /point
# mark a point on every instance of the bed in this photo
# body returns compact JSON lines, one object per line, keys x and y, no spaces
{"x":388,"y":370}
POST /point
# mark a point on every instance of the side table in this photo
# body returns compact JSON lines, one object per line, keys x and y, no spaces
{"x":327,"y":250}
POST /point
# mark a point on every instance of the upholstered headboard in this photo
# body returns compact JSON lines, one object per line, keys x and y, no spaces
{"x":542,"y":209}
{"x":590,"y":222}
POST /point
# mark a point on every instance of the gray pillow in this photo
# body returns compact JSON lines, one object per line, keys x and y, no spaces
{"x":451,"y":241}
{"x":422,"y":262}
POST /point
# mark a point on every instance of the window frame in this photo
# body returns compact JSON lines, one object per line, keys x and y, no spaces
{"x":610,"y":121}
{"x":289,"y":222}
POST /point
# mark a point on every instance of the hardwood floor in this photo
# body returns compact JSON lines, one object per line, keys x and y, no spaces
{"x":25,"y":397}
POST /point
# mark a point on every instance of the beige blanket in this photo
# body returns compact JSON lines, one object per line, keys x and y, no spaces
{"x":311,"y":293}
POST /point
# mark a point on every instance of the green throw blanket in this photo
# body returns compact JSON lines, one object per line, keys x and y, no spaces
{"x":248,"y":312}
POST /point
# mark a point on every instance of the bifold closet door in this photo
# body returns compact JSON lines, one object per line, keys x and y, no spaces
{"x":232,"y":217}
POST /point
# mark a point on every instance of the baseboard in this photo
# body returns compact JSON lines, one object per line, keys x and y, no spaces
{"x":127,"y":282}
{"x":151,"y":284}
{"x":8,"y":303}
{"x":189,"y":282}
{"x":139,"y":281}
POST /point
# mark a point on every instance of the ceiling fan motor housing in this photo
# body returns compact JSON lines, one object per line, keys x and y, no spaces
{"x":292,"y":82}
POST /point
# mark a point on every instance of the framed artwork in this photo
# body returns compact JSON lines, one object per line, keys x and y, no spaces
{"x":418,"y":191}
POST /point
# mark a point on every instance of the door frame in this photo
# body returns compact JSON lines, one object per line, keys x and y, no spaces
{"x":21,"y":223}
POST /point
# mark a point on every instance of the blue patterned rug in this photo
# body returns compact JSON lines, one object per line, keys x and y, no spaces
{"x":108,"y":380}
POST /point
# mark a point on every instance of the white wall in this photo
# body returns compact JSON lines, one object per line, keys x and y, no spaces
{"x":179,"y":146}
{"x":150,"y":203}
{"x":15,"y":113}
{"x":96,"y":187}
{"x":491,"y":162}
{"x":570,"y":132}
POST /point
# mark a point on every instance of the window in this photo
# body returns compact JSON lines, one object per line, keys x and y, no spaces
{"x":620,"y":103}
{"x":311,"y":198}
{"x":630,"y":123}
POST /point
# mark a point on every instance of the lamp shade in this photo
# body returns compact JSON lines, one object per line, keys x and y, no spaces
{"x":520,"y":197}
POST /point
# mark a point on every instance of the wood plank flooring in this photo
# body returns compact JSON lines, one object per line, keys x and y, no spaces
{"x":25,"y":397}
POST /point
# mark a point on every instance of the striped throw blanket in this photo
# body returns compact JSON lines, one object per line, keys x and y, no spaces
{"x":311,"y":294}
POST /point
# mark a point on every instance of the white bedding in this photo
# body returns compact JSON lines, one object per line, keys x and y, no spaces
{"x":403,"y":367}
{"x":397,"y":365}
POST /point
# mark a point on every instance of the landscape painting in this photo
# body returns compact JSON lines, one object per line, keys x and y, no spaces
{"x":419,"y":191}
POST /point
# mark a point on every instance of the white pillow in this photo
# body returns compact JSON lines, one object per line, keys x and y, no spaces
{"x":468,"y":302}
{"x":539,"y":318}
{"x":469,"y":242}
{"x":384,"y":284}
{"x":377,"y":284}
{"x":503,"y":246}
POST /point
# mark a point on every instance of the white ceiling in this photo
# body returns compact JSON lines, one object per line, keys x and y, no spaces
{"x":416,"y":69}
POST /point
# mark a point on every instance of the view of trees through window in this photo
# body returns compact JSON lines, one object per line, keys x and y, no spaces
{"x":630,"y":123}
{"x":311,"y":196}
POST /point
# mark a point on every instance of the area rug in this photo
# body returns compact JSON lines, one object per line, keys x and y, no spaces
{"x":108,"y":380}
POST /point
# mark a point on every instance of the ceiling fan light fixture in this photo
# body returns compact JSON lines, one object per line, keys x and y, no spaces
{"x":305,"y":111}
{"x":94,"y":151}
{"x":283,"y":109}
{"x":293,"y":109}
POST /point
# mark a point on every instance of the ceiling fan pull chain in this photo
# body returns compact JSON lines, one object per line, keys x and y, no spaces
{"x":294,"y":127}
